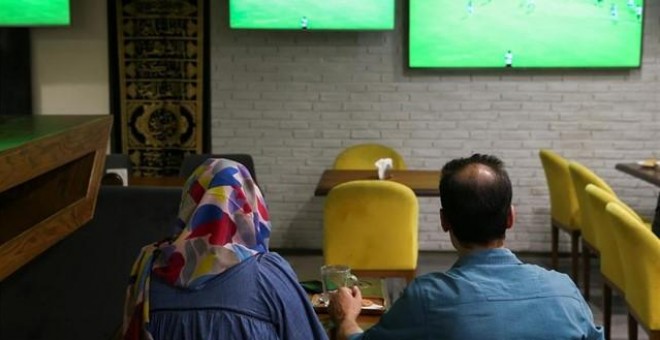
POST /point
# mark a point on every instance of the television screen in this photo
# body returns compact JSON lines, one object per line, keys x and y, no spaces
{"x":525,"y":33}
{"x":34,"y":12}
{"x":312,"y":14}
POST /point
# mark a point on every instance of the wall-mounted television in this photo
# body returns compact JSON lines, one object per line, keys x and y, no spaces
{"x":525,"y":33}
{"x":34,"y":13}
{"x":312,"y":14}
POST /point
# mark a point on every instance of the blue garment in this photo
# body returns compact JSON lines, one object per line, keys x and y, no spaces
{"x":488,"y":295}
{"x":259,"y":298}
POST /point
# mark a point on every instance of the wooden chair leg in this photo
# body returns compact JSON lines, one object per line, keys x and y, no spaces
{"x":607,"y":311}
{"x":555,"y":247}
{"x":586,"y":271}
{"x":632,"y":327}
{"x":575,"y":255}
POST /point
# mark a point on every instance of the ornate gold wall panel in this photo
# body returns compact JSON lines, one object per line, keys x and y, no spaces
{"x":160,"y":47}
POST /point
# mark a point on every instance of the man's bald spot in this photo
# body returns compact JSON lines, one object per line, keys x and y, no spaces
{"x":476,"y":172}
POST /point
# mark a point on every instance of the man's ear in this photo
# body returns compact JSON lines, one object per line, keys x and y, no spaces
{"x":511,"y":217}
{"x":443,"y":222}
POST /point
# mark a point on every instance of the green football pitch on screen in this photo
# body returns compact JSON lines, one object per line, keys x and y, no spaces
{"x":525,"y":33}
{"x":312,"y":14}
{"x":34,"y":12}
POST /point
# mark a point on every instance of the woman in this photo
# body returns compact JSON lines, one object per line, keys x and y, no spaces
{"x":216,"y":279}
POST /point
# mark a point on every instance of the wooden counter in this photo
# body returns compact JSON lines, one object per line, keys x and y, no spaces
{"x":51,"y":168}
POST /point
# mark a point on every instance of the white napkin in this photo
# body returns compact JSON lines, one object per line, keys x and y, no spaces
{"x":383,"y":165}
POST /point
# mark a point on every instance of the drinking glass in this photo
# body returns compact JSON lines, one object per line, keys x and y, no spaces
{"x":334,"y":277}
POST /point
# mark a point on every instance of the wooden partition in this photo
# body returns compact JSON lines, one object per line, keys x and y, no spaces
{"x":50,"y":167}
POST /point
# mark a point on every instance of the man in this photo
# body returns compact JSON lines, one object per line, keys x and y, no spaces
{"x":488,"y":293}
{"x":508,"y":59}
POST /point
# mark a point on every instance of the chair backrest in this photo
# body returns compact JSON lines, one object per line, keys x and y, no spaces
{"x":192,"y":161}
{"x":563,"y":202}
{"x":371,"y":225}
{"x":581,"y":176}
{"x":363,"y":157}
{"x":640,"y":252}
{"x":610,"y":260}
{"x":118,"y":161}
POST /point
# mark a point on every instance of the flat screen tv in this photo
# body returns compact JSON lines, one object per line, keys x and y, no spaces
{"x":34,"y":13}
{"x":312,"y":14}
{"x":525,"y":33}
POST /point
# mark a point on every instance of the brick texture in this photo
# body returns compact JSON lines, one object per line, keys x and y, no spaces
{"x":294,"y":100}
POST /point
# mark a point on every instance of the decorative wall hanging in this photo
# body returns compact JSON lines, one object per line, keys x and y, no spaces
{"x":161,"y":53}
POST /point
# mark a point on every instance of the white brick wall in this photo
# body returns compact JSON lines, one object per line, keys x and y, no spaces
{"x":294,"y":100}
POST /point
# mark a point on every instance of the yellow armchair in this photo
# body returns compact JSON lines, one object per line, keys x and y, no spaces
{"x":564,"y":209}
{"x":640,"y":252}
{"x":372,"y":226}
{"x":363,"y":157}
{"x":611,"y":266}
{"x":581,"y":176}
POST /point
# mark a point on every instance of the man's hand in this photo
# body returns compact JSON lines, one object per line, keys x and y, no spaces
{"x":346,"y":303}
{"x":345,"y":306}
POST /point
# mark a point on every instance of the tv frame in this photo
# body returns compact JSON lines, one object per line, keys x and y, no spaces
{"x":286,"y":29}
{"x":506,"y":70}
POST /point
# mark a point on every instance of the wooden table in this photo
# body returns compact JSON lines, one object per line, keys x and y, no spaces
{"x":424,"y":183}
{"x":651,"y":175}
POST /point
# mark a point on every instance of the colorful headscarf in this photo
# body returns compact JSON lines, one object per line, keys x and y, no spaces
{"x":223,"y":220}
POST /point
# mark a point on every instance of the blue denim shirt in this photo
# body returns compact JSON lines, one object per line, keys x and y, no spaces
{"x":488,"y":294}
